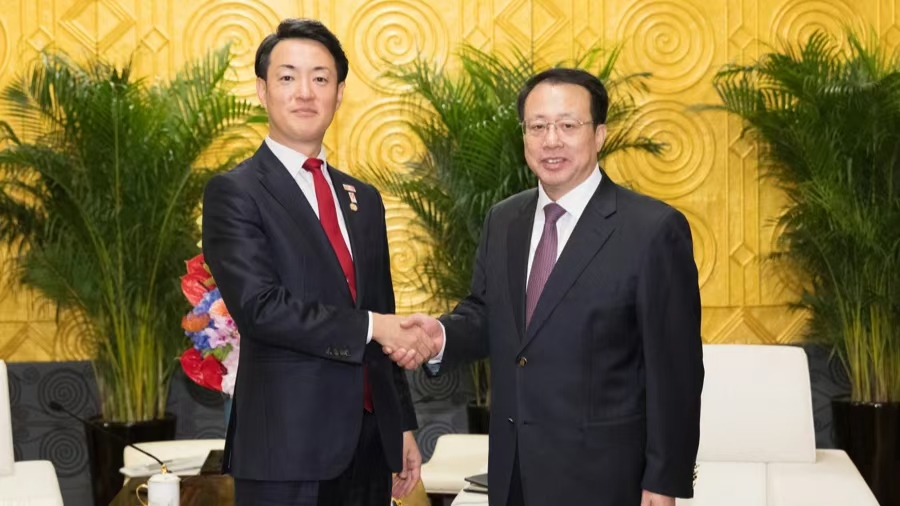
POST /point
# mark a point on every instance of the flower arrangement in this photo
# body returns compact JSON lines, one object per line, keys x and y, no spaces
{"x":212,"y":361}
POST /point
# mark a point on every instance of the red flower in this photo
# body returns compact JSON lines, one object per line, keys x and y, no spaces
{"x":197,"y":281}
{"x":206,"y":372}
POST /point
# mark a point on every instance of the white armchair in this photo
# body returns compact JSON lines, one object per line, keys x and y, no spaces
{"x":31,"y":483}
{"x":455,"y":456}
{"x":757,"y":440}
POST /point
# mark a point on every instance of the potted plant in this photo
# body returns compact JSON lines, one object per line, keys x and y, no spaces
{"x":827,"y":120}
{"x":101,"y":175}
{"x":474,"y":157}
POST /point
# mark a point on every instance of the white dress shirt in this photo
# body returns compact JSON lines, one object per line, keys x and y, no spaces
{"x":293,"y":161}
{"x":574,"y":203}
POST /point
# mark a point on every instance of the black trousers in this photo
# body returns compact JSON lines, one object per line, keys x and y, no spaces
{"x":516,"y":494}
{"x":365,"y":482}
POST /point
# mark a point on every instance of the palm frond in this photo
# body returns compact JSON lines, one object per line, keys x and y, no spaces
{"x":828,"y":122}
{"x":99,"y":190}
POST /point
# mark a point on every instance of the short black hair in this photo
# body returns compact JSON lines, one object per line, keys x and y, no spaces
{"x":293,"y":28}
{"x":588,"y":81}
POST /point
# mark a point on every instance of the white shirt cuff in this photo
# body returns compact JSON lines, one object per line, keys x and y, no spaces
{"x":440,"y":356}
{"x":369,"y":332}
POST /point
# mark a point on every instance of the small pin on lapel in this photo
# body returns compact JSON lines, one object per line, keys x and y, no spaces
{"x":354,"y":207}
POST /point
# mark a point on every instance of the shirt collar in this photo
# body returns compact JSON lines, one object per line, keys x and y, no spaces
{"x":577,"y":199}
{"x":293,"y":160}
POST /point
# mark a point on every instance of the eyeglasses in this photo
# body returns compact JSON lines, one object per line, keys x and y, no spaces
{"x":539,"y":128}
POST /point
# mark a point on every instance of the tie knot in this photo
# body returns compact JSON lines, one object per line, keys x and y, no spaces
{"x":312,"y":164}
{"x":553,"y":212}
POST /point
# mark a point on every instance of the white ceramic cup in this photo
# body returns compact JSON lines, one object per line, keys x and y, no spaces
{"x":162,"y":490}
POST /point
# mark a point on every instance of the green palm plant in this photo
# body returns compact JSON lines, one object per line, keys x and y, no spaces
{"x":828,"y":124}
{"x":474,"y":155}
{"x":101,"y":176}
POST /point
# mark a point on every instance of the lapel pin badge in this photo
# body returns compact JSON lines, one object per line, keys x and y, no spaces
{"x":351,"y":192}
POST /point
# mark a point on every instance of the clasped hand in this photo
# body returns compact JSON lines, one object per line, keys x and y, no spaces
{"x":410,"y":341}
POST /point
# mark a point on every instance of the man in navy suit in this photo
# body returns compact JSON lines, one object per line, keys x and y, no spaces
{"x":299,"y":251}
{"x":586,"y":298}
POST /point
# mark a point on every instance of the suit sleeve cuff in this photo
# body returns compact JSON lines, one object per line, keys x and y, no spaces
{"x":440,"y":356}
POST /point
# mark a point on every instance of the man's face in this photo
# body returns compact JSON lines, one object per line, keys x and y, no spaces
{"x":301,"y":93}
{"x":560,"y":158}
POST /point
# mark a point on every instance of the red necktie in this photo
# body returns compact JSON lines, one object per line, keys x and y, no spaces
{"x":328,"y":218}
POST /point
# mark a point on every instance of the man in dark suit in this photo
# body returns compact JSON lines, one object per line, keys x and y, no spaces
{"x":585,"y":296}
{"x":299,"y":251}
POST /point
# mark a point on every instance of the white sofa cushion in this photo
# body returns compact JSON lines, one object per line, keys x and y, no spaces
{"x":32,"y":483}
{"x":756,"y":405}
{"x":728,"y":483}
{"x":832,"y":481}
{"x":455,"y":457}
{"x":6,"y":437}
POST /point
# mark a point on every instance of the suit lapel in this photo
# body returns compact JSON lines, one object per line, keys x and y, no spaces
{"x":590,"y":234}
{"x":276,"y":179}
{"x":354,"y":223}
{"x":518,"y":240}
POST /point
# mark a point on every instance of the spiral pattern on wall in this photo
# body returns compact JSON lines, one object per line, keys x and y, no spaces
{"x":72,"y":341}
{"x":688,"y":158}
{"x":381,"y":137}
{"x":438,"y":388}
{"x":394,"y":32}
{"x":244,"y":23}
{"x":65,"y":448}
{"x":674,"y":40}
{"x":704,"y":246}
{"x":4,"y":47}
{"x":408,"y":251}
{"x":796,"y":20}
{"x":15,"y":390}
{"x":68,"y":387}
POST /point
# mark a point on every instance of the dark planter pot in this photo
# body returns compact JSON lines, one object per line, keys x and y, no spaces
{"x":105,"y":451}
{"x":870,"y":434}
{"x":479,"y":418}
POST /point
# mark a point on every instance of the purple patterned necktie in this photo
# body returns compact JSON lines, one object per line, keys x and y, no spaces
{"x":544,"y":259}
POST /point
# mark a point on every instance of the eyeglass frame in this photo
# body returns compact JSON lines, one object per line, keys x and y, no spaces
{"x":524,"y":126}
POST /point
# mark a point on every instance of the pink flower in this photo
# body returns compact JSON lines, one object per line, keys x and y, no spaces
{"x":217,"y":338}
{"x":223,"y":322}
{"x":231,"y":368}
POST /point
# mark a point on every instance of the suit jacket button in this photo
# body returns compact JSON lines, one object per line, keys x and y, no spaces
{"x":523,"y":361}
{"x":510,"y":420}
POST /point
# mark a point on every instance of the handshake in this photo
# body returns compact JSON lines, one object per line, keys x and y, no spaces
{"x":410,"y":341}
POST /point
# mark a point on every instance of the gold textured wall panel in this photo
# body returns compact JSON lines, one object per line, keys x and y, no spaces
{"x":709,"y":173}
